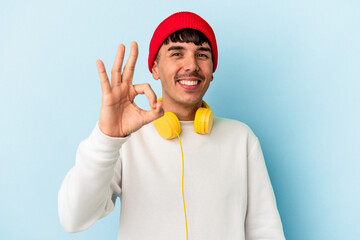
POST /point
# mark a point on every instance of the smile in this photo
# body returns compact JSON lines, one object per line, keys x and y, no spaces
{"x":189,"y":82}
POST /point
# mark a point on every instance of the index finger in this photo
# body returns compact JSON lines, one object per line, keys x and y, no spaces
{"x":130,"y":64}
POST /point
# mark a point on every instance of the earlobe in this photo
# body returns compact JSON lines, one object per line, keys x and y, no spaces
{"x":154,"y":71}
{"x":212,"y":78}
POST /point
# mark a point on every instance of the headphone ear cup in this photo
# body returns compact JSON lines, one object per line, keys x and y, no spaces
{"x":203,"y":121}
{"x":168,"y":125}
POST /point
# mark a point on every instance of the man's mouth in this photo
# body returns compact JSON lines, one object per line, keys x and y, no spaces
{"x":189,"y":82}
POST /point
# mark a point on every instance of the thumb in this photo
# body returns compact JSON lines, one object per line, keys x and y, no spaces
{"x":154,"y":113}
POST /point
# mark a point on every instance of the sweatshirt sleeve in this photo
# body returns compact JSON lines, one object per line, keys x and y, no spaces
{"x":91,"y":187}
{"x":262,"y":218}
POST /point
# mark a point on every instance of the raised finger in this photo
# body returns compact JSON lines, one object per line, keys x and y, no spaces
{"x":130,"y":64}
{"x":104,"y":80}
{"x":116,"y":70}
{"x":149,"y":93}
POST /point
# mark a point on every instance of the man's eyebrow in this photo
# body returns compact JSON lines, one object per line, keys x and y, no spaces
{"x":176,"y":48}
{"x":204,"y":49}
{"x":182,"y":48}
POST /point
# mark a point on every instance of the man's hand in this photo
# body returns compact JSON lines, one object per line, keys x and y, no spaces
{"x":119,"y":115}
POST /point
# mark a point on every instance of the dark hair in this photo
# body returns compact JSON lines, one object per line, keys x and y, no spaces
{"x":185,"y":35}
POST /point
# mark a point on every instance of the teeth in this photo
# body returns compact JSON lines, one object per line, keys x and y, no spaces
{"x":188,"y":82}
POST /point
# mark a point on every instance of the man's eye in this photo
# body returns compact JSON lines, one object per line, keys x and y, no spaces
{"x":202,"y":55}
{"x":175,"y":54}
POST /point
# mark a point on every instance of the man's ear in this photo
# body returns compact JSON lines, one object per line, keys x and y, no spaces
{"x":212,"y":78}
{"x":155,"y":71}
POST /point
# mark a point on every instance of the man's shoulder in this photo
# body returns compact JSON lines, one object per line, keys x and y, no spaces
{"x":230,"y":123}
{"x":232,"y":127}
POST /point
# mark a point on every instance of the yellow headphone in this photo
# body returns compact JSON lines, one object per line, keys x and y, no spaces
{"x":168,"y":126}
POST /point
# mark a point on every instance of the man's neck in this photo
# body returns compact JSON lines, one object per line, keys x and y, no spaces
{"x":183,"y":112}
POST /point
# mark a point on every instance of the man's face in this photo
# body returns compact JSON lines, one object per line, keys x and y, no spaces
{"x":185,"y":71}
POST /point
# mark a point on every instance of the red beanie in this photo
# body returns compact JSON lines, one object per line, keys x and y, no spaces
{"x":176,"y":22}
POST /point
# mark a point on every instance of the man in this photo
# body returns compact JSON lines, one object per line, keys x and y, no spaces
{"x":224,"y":182}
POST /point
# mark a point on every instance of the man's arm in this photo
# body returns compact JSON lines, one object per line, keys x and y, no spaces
{"x":262,"y":218}
{"x":88,"y":189}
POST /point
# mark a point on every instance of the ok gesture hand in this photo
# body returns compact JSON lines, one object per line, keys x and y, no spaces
{"x":119,"y":115}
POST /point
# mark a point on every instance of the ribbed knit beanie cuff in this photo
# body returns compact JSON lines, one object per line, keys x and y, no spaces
{"x":176,"y":22}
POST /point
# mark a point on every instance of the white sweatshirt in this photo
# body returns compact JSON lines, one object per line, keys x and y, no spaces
{"x":228,"y":193}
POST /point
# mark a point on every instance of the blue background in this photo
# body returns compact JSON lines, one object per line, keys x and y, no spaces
{"x":288,"y":69}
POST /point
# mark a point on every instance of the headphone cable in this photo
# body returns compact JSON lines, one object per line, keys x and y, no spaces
{"x":182,"y":156}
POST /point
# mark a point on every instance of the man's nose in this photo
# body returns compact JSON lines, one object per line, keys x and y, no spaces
{"x":191,"y":64}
